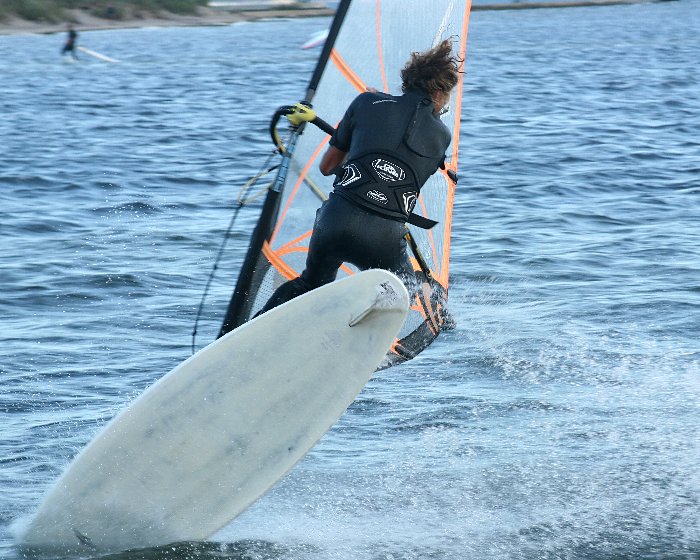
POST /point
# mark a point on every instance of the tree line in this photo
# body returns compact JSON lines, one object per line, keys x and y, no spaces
{"x":56,"y":11}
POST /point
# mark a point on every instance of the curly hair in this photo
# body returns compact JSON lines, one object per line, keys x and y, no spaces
{"x":434,"y":70}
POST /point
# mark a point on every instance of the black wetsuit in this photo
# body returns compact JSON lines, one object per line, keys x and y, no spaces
{"x":395,"y":137}
{"x":70,"y":43}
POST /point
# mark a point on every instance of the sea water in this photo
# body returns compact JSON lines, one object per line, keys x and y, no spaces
{"x":559,"y":420}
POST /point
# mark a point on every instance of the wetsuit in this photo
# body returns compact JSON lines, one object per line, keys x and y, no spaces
{"x":70,"y":43}
{"x":393,"y":145}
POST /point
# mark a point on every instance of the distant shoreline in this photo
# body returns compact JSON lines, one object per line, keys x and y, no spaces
{"x":83,"y":21}
{"x":559,"y":4}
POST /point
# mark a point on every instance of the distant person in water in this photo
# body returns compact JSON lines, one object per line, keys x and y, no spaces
{"x":69,"y":47}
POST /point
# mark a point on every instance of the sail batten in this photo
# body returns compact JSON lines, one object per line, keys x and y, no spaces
{"x":367,"y":46}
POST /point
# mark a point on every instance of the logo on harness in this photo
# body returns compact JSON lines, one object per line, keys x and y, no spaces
{"x":409,"y":201}
{"x":352,"y":174}
{"x":377,"y":196}
{"x":388,"y":171}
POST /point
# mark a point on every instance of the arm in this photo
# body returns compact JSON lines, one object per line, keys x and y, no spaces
{"x":331,"y":159}
{"x":339,"y":144}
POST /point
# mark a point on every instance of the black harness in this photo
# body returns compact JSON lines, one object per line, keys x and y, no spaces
{"x":384,"y":184}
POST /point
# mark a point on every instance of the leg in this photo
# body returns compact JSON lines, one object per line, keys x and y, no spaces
{"x":287,"y":291}
{"x":376,"y":242}
{"x":321,"y":266}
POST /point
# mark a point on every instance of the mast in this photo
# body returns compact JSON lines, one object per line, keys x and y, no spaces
{"x":239,"y":305}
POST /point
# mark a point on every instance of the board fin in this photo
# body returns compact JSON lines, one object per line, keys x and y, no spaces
{"x":84,"y":539}
{"x":385,"y":300}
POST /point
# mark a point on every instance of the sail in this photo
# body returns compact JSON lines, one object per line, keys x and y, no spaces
{"x":368,"y":44}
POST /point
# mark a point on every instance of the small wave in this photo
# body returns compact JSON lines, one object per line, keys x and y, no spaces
{"x":178,"y":238}
{"x":198,"y":181}
{"x":28,"y":180}
{"x":113,"y":280}
{"x":129,"y":207}
{"x":45,"y":297}
{"x":49,"y":226}
{"x":239,"y":550}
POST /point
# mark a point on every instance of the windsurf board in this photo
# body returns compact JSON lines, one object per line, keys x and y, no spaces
{"x":212,"y":436}
{"x":96,"y":55}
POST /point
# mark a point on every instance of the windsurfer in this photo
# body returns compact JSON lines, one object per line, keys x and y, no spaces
{"x":383,"y":151}
{"x":69,"y":46}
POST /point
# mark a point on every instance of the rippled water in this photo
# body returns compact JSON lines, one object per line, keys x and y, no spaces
{"x":560,"y":420}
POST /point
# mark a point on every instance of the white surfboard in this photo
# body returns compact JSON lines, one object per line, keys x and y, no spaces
{"x":208,"y":439}
{"x":97,"y":55}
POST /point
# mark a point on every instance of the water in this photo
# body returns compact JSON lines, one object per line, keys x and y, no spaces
{"x":558,"y":421}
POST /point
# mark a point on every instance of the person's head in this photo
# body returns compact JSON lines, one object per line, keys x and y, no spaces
{"x":435,"y":71}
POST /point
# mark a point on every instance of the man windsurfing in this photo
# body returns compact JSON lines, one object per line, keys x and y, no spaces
{"x":69,"y":46}
{"x":383,"y":151}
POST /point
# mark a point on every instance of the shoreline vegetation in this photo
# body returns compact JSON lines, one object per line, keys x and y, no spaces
{"x":52,"y":16}
{"x":55,"y":11}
